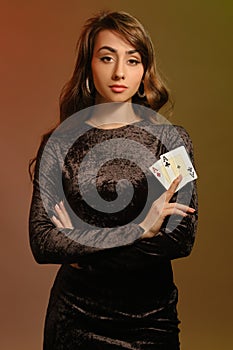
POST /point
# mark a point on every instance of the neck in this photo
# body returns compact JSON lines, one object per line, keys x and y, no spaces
{"x":113,"y":114}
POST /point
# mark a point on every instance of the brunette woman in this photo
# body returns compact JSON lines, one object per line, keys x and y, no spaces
{"x":114,"y":289}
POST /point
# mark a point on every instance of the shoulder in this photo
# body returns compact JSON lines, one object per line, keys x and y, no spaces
{"x":172,"y":135}
{"x":183,"y":133}
{"x":185,"y":136}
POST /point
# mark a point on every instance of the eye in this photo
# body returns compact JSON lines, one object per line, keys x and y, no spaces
{"x":134,"y":61}
{"x":106,"y":59}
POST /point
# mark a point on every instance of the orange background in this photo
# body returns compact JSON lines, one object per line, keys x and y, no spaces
{"x":194,"y":50}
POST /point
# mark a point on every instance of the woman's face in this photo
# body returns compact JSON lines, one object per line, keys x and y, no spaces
{"x":117,"y":68}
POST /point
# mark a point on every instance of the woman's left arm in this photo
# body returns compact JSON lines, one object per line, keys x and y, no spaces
{"x":177,"y":234}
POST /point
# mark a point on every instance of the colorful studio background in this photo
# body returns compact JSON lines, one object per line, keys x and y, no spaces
{"x":193,"y":41}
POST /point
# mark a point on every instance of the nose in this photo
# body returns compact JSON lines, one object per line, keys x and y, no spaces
{"x":118,"y":72}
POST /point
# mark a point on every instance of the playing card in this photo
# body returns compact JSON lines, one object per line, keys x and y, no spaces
{"x":171,"y":165}
{"x":160,"y":173}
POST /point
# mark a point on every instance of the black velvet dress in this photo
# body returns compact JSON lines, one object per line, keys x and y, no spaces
{"x":123,"y":297}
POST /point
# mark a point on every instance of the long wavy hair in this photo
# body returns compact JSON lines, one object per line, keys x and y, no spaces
{"x":77,"y":94}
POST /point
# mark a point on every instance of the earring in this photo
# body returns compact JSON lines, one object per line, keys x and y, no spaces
{"x":141,"y":92}
{"x":87,"y":86}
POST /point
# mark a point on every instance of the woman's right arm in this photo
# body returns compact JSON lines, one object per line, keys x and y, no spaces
{"x":50,"y":244}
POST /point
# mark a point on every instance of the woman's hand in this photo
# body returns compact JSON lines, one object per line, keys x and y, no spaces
{"x":162,"y":208}
{"x":62,"y":220}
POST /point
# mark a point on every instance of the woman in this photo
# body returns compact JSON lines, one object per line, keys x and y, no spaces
{"x":115,"y":287}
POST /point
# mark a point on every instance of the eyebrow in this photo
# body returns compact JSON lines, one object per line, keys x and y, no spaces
{"x":111,"y":49}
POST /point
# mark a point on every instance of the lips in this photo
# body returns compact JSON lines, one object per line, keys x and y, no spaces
{"x":118,"y":88}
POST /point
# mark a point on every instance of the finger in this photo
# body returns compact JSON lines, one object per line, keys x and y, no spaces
{"x":67,"y":220}
{"x":172,"y":189}
{"x":56,"y":222}
{"x":180,"y":206}
{"x":64,"y":211}
{"x":63,"y":216}
{"x":60,"y":213}
{"x":173,"y":211}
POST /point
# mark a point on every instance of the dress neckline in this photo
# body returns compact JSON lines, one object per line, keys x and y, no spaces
{"x":117,"y":128}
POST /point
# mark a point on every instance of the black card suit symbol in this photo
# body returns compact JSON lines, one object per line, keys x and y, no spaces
{"x":165,"y":160}
{"x":191,"y":172}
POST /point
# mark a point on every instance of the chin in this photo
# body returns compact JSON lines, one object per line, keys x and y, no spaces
{"x":120,"y":99}
{"x":108,"y":98}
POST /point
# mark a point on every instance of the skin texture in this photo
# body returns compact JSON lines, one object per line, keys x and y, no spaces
{"x":162,"y":208}
{"x":115,"y":64}
{"x":116,"y":68}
